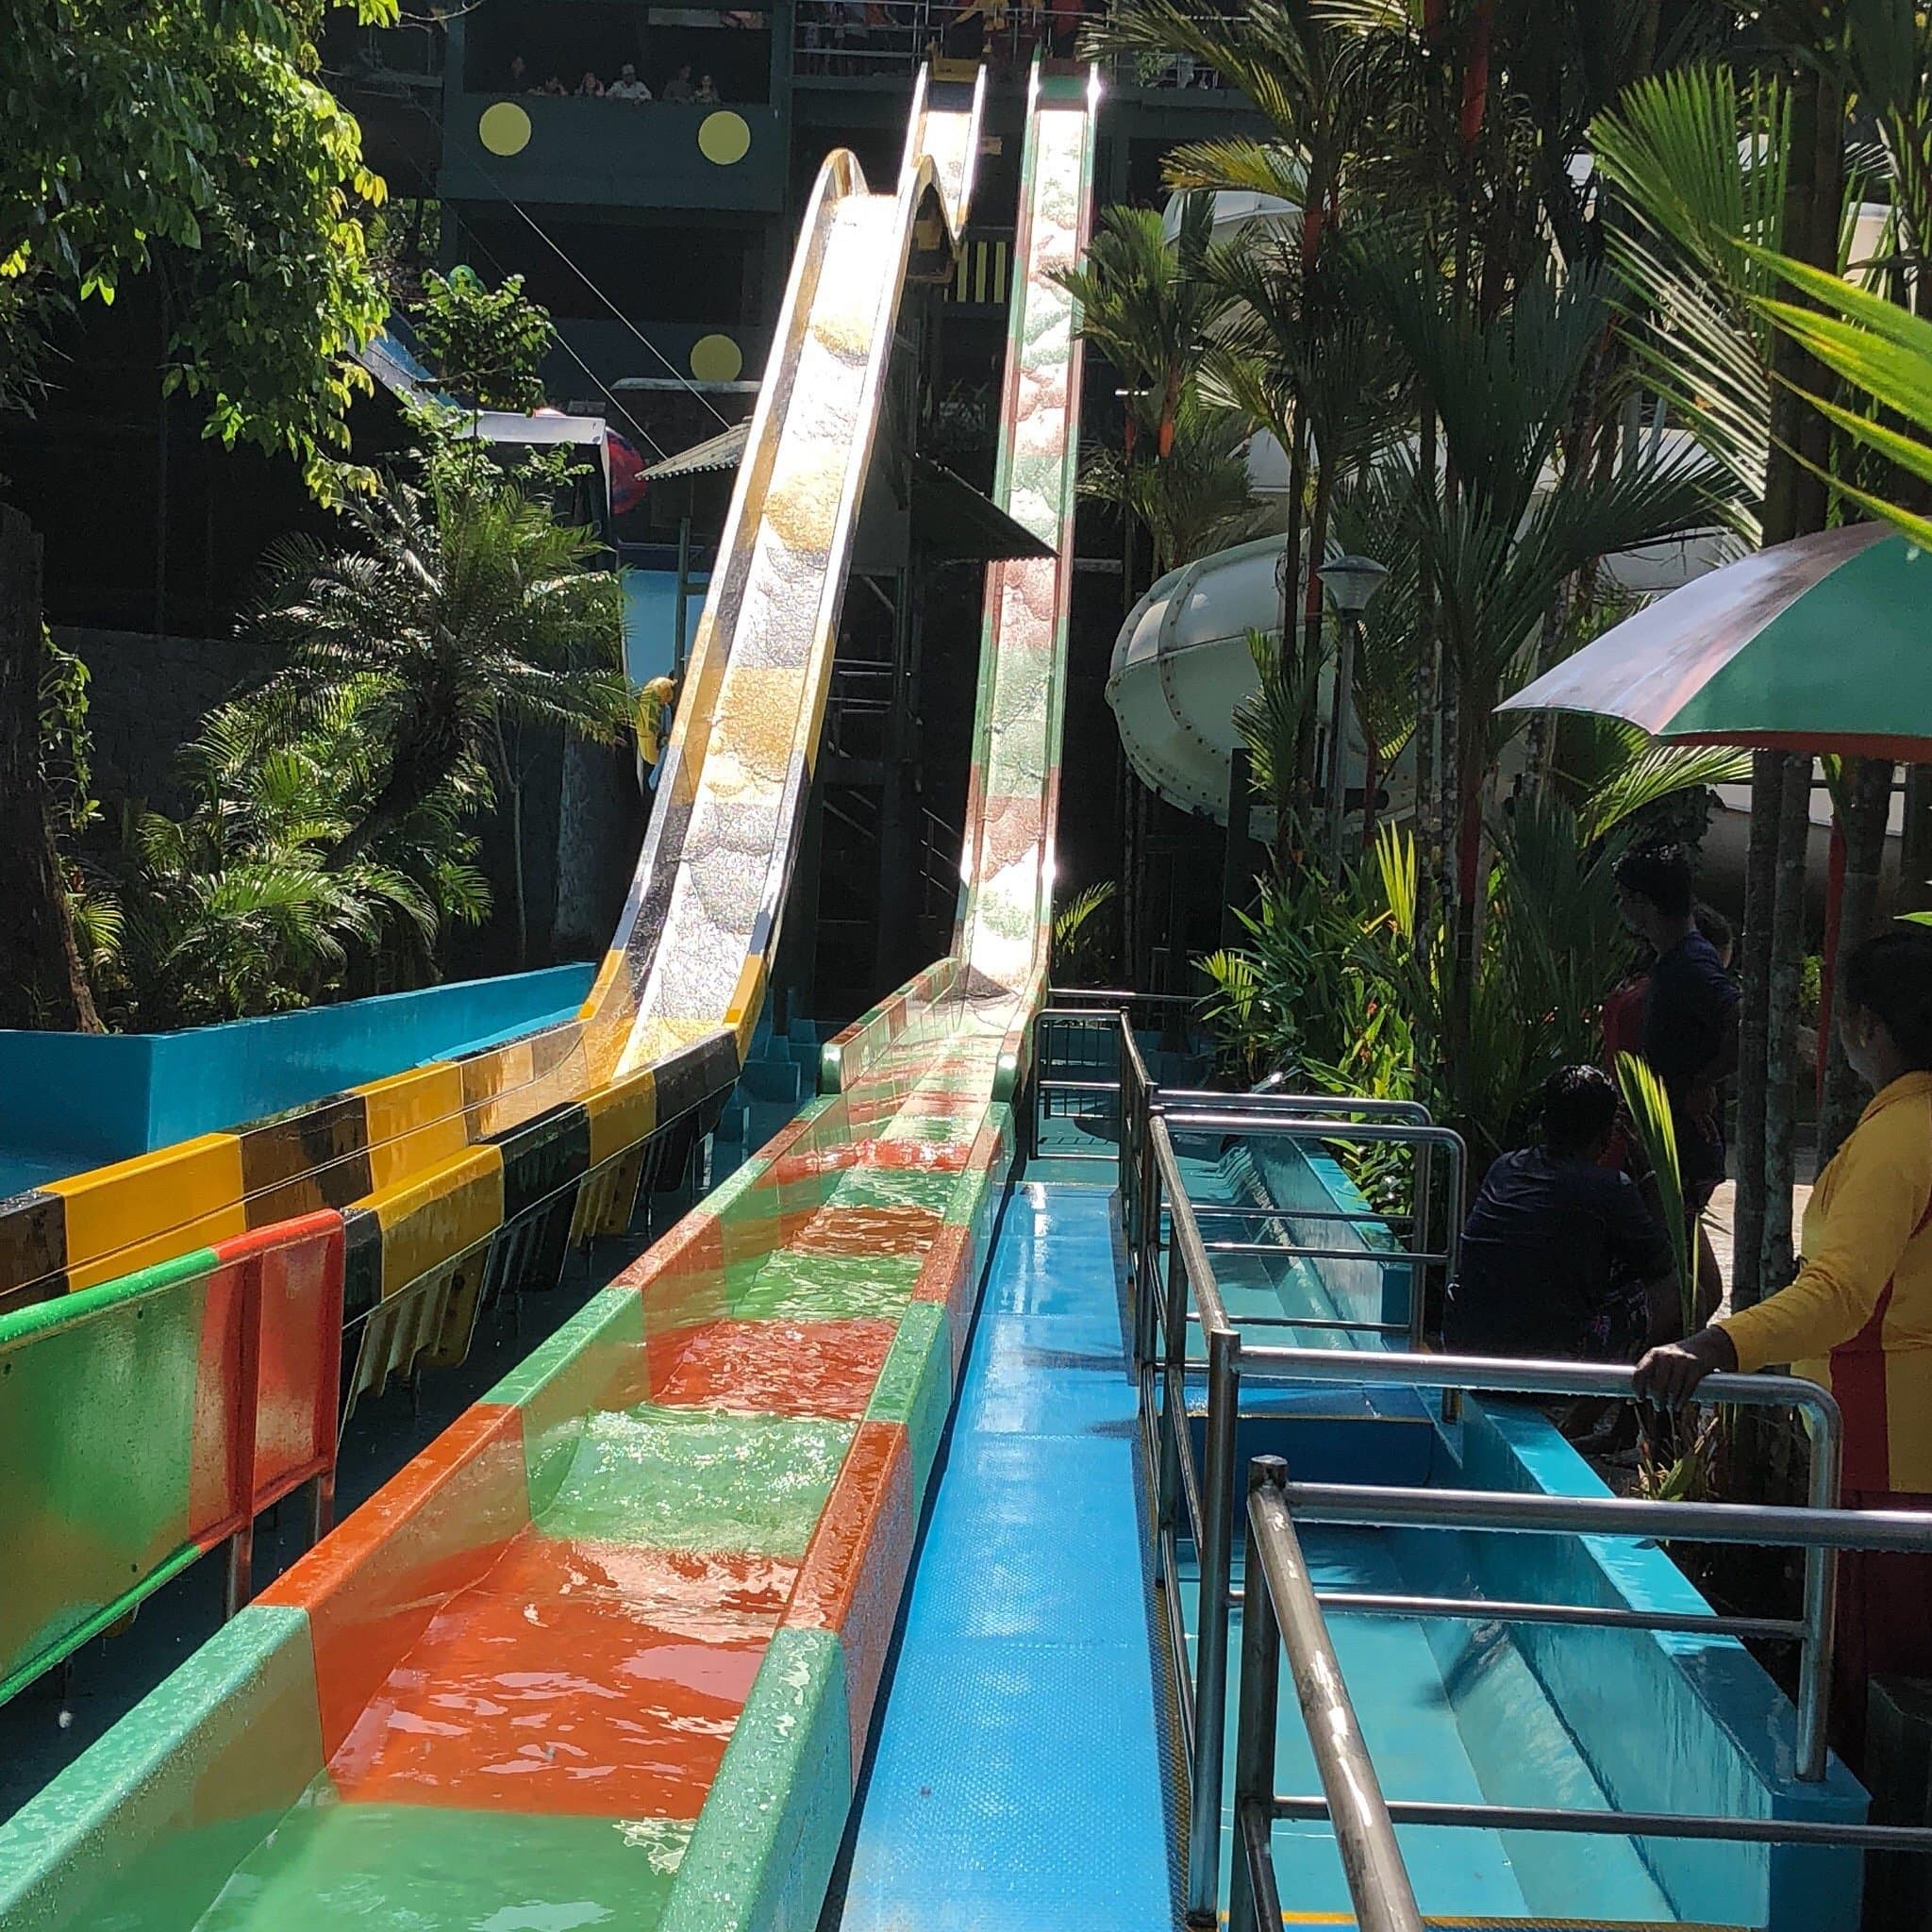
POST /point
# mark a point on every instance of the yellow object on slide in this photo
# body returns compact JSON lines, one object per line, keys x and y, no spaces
{"x":654,"y":718}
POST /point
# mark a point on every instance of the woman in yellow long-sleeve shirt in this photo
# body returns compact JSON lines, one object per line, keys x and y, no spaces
{"x":1859,"y":1317}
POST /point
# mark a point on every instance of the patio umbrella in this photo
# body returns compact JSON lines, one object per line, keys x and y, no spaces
{"x":1821,"y":644}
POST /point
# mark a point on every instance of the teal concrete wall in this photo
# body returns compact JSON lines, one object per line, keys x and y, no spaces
{"x":72,"y":1101}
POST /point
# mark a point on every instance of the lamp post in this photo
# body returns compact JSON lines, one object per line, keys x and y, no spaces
{"x":1351,"y":583}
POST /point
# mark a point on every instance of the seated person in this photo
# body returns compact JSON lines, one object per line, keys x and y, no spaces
{"x":706,"y":95}
{"x":552,"y":85}
{"x":677,"y":88}
{"x":590,"y":88}
{"x":1560,"y":1258}
{"x":628,"y":87}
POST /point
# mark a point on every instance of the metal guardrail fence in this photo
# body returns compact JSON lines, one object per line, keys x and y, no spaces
{"x":1173,"y":1289}
{"x":891,"y":36}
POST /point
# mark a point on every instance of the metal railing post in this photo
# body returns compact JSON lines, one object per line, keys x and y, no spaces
{"x":1252,"y":1902}
{"x":1214,"y":1545}
{"x":1815,"y":1656}
{"x":1171,"y":1413}
{"x":1378,"y":1884}
{"x":1421,"y":1221}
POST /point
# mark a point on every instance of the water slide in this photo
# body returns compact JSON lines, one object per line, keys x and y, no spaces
{"x":422,"y":1197}
{"x":606,"y":1652}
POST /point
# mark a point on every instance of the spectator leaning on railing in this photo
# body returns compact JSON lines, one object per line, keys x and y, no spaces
{"x":1859,"y":1317}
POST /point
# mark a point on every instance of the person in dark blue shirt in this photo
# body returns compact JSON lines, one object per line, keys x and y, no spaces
{"x":1689,"y":1034}
{"x":1560,"y":1258}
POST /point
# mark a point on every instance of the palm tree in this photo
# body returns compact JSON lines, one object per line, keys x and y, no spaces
{"x":1147,"y":307}
{"x":1497,"y":554}
{"x":1195,"y":499}
{"x":465,"y":604}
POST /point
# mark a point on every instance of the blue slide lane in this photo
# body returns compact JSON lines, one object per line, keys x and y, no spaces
{"x":1016,"y":1778}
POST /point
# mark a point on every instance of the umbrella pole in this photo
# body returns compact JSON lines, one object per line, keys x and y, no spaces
{"x":1827,"y":964}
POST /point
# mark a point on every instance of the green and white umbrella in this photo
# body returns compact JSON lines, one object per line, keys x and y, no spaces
{"x":1819,"y":645}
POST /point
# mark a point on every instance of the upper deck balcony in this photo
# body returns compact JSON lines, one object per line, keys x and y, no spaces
{"x":612,"y":103}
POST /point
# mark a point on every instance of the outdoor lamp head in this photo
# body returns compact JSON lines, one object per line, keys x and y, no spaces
{"x":1352,"y":582}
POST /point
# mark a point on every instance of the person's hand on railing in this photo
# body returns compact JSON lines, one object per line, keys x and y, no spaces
{"x":1668,"y":1376}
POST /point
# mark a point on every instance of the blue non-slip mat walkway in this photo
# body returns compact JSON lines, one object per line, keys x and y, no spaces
{"x":1017,"y":1775}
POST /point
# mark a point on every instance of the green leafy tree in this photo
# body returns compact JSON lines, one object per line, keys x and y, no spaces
{"x":197,"y":136}
{"x":1146,"y":306}
{"x":1192,"y":501}
{"x":486,"y":344}
{"x":201,"y":134}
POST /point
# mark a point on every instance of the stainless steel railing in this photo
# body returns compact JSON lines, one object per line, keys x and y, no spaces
{"x":1173,"y":1299}
{"x":1173,"y":1292}
{"x":1280,"y":1609}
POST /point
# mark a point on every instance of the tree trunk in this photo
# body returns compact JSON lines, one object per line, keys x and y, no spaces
{"x":1311,"y":646}
{"x":1915,"y":849}
{"x":41,"y":983}
{"x":1290,"y":576}
{"x":1427,"y":678}
{"x":1867,"y":804}
{"x":1795,"y":503}
{"x":1781,"y":1029}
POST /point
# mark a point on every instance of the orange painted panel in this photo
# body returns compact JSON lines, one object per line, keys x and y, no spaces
{"x":674,"y":1590}
{"x":527,"y":1701}
{"x":770,"y":1368}
{"x":897,"y":1229}
{"x":435,"y":1529}
{"x":855,"y":1568}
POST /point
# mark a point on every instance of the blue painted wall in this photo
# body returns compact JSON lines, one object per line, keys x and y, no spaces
{"x":650,"y":619}
{"x":72,"y":1101}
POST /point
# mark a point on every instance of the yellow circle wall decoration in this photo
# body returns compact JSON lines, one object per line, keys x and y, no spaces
{"x":724,"y":137}
{"x":716,"y":358}
{"x":503,"y":128}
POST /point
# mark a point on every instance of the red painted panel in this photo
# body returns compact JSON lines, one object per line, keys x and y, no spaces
{"x":771,"y":1367}
{"x":855,"y":1568}
{"x":940,"y":1157}
{"x":524,"y":1701}
{"x":220,"y":1448}
{"x":433,"y":1530}
{"x":674,"y":1590}
{"x":299,"y":1267}
{"x":947,"y":1276}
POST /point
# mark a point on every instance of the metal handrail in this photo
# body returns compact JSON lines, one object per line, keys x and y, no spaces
{"x":1173,"y":1290}
{"x":1280,"y":1611}
{"x":1389,"y":1124}
{"x":1298,"y":1105}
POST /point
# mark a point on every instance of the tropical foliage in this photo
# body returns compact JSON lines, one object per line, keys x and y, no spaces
{"x":461,"y":605}
{"x":201,"y":136}
{"x":330,"y":834}
{"x":485,"y":343}
{"x":1352,"y":990}
{"x":237,"y":907}
{"x":1082,"y":944}
{"x":1649,"y":1109}
{"x":197,"y":141}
